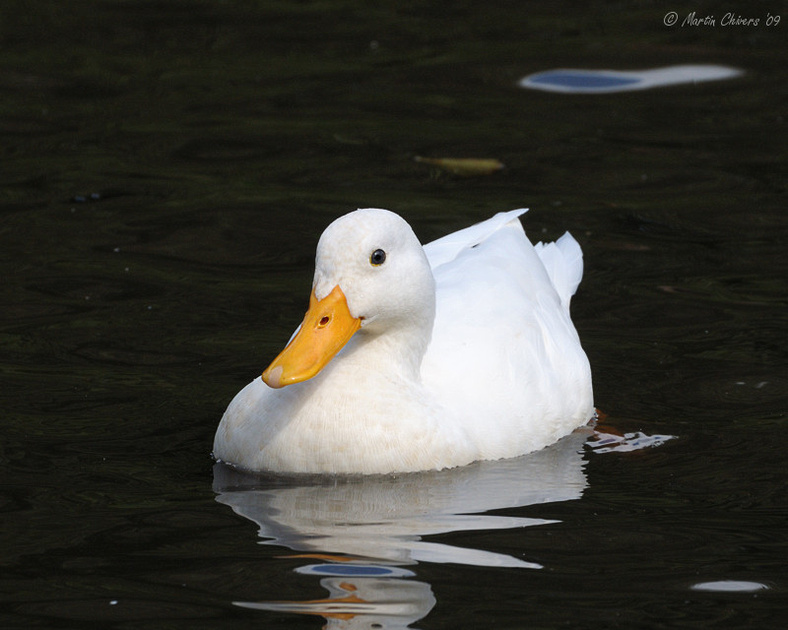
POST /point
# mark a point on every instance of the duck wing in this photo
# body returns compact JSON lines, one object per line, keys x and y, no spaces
{"x":447,"y":248}
{"x":504,"y":358}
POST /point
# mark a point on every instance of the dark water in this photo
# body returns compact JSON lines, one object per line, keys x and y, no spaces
{"x":166,"y":170}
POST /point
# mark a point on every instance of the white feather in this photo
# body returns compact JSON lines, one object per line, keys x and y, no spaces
{"x":469,"y":354}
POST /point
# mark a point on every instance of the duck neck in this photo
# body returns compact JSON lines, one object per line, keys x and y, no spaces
{"x":394,"y":348}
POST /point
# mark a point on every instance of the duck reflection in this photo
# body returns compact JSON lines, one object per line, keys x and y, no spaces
{"x":364,"y":530}
{"x":363,"y":601}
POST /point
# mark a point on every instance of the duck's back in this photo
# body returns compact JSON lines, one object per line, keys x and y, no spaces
{"x":505,"y":359}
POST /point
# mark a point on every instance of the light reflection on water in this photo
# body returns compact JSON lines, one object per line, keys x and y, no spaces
{"x":729,"y":586}
{"x":379,"y":524}
{"x":608,"y":81}
{"x":365,"y":530}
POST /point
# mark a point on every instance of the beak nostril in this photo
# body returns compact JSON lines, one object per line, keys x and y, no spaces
{"x":324,"y":321}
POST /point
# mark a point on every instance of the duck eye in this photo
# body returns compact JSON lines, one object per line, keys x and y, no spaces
{"x":377,"y":258}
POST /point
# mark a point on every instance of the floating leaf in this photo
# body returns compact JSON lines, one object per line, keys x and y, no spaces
{"x":467,"y":167}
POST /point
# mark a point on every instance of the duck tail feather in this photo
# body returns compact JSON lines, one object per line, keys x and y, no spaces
{"x":563,"y":261}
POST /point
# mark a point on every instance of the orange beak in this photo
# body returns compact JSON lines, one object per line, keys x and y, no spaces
{"x":327,"y":327}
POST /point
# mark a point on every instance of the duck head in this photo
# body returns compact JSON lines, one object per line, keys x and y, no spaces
{"x":372,"y":277}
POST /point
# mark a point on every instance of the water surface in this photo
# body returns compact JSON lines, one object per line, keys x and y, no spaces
{"x":167,"y":169}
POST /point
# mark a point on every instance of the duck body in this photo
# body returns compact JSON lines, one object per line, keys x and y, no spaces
{"x":458,"y":351}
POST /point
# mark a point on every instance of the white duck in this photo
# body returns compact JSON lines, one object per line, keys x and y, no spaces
{"x":458,"y":351}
